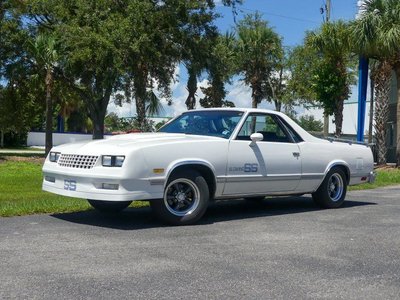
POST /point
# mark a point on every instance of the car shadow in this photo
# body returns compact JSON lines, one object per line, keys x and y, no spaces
{"x":218,"y":211}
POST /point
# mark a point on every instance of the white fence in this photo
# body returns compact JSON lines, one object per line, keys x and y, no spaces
{"x":38,"y":138}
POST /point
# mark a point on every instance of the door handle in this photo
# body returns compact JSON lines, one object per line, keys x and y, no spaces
{"x":296,"y":154}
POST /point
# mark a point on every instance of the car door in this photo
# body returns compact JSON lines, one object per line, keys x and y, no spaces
{"x":268,"y":166}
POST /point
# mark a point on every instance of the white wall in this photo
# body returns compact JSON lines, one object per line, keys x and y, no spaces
{"x":38,"y":138}
{"x":350,"y":112}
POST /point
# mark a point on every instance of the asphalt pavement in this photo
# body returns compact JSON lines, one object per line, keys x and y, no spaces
{"x":280,"y":248}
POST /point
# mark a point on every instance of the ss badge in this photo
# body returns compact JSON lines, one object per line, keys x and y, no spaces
{"x":69,"y":185}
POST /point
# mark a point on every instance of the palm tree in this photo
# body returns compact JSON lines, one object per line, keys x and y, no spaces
{"x":381,"y":77}
{"x":376,"y":34}
{"x":45,"y":58}
{"x":194,"y":71}
{"x":194,"y":53}
{"x":258,"y":51}
{"x":220,"y":66}
{"x":333,"y":43}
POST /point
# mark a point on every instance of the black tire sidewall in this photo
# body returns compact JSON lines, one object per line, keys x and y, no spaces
{"x":321,"y":196}
{"x":159,"y":208}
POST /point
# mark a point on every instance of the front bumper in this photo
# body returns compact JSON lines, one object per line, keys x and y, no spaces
{"x":94,"y":184}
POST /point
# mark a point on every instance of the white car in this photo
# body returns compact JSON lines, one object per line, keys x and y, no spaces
{"x":207,"y":154}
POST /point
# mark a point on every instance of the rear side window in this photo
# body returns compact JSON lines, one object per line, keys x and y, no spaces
{"x":294,"y":135}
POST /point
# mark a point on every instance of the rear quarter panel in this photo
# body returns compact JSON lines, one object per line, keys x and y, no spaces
{"x":320,"y":156}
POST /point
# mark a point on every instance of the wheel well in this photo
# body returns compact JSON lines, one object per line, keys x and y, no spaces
{"x":205,"y":171}
{"x":346,"y":171}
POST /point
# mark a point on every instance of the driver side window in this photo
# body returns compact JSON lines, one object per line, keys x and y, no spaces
{"x":265,"y":124}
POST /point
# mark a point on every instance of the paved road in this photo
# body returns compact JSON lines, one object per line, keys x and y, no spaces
{"x":279,"y":249}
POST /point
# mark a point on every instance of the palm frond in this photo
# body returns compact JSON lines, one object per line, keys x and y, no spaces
{"x":154,"y":106}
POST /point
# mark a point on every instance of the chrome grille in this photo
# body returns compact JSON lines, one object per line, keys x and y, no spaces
{"x":77,"y":161}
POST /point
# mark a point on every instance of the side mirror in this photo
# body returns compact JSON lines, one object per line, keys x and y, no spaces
{"x":256,"y":137}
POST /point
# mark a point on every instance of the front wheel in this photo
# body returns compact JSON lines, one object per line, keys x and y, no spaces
{"x":332,"y":190}
{"x":109,"y":206}
{"x":185,"y":199}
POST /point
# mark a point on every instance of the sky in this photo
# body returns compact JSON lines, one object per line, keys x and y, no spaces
{"x":289,"y":18}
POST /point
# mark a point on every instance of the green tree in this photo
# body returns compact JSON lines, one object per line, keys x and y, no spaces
{"x":335,"y":71}
{"x":17,"y":111}
{"x":172,"y":32}
{"x":309,"y":123}
{"x":45,"y":58}
{"x":195,"y":53}
{"x":220,"y":67}
{"x":279,"y":92}
{"x":302,"y":64}
{"x":258,"y":52}
{"x":110,"y":46}
{"x":92,"y":60}
{"x":376,"y":34}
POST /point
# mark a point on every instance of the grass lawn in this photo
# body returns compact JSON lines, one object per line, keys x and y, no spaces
{"x":21,"y":188}
{"x":386,"y":176}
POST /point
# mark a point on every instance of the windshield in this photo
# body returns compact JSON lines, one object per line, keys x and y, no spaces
{"x":210,"y":123}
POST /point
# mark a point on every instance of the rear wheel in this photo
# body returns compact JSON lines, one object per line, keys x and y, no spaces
{"x":332,"y":191}
{"x":109,"y":206}
{"x":185,"y":199}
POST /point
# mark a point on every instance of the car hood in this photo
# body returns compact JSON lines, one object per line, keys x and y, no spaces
{"x":123,"y":143}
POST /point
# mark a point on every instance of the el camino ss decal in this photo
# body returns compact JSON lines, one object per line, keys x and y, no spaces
{"x":247,"y":168}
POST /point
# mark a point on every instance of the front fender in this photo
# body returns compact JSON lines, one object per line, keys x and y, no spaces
{"x":188,"y":161}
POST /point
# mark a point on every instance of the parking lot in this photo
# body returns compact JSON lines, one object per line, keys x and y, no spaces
{"x":280,"y":248}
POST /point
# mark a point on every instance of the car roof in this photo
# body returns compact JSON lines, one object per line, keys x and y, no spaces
{"x":242,"y":109}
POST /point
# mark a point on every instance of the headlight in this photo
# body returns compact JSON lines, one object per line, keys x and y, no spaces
{"x":112,"y":161}
{"x":54,"y":156}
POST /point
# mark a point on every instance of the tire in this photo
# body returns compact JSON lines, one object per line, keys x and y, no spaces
{"x":332,"y":191}
{"x":185,"y":201}
{"x":109,"y":206}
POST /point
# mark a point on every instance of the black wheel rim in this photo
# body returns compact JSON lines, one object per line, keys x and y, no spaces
{"x":181,"y":197}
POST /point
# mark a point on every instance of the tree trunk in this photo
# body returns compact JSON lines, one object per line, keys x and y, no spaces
{"x":398,"y":117}
{"x":49,"y":111}
{"x":140,"y":86}
{"x":339,"y":118}
{"x":278,"y":105}
{"x":140,"y":111}
{"x":371,"y":111}
{"x":218,"y":93}
{"x":98,"y":111}
{"x":98,"y":125}
{"x":382,"y":91}
{"x":326,"y":125}
{"x":254,"y":103}
{"x":256,"y":93}
{"x":254,"y":98}
{"x":1,"y":139}
{"x":192,"y":89}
